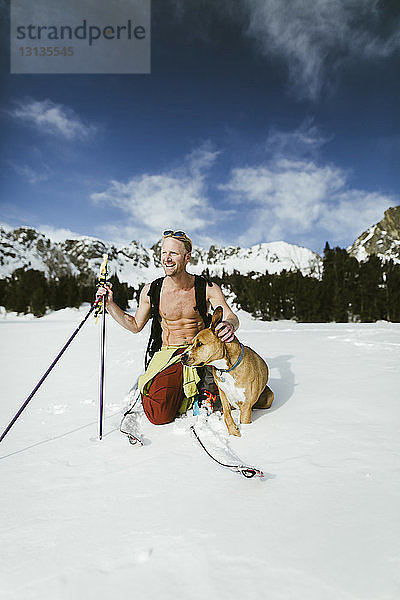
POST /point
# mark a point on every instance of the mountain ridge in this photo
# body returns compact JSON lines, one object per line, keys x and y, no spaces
{"x":382,"y":239}
{"x":135,"y":264}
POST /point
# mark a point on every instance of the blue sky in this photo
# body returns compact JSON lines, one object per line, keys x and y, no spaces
{"x":261,"y":120}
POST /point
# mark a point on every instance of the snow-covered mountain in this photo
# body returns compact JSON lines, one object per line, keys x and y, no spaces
{"x":135,"y":264}
{"x":382,"y":239}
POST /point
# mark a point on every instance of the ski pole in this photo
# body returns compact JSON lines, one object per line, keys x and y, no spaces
{"x":103,"y":340}
{"x":102,"y":309}
{"x":53,"y":364}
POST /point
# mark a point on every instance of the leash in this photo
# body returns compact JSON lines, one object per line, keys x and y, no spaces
{"x":244,"y":470}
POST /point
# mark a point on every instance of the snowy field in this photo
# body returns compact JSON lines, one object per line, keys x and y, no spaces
{"x":83,"y":519}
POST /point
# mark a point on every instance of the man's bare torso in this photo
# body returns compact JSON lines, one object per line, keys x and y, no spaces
{"x":180,"y":321}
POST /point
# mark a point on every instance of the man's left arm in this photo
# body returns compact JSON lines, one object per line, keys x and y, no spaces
{"x":230,"y":323}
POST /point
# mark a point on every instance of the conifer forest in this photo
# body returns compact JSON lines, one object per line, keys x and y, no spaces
{"x":346,"y":291}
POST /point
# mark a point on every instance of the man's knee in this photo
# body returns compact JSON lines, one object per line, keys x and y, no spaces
{"x":158,"y":413}
{"x":164,"y":398}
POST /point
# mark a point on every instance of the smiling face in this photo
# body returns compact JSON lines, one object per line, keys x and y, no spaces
{"x":174,"y":256}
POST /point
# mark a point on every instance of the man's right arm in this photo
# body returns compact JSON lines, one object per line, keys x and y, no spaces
{"x":136,"y":323}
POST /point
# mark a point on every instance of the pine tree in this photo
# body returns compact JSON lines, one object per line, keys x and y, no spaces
{"x":120,"y":291}
{"x":392,"y":291}
{"x":38,"y":302}
{"x":4,"y":284}
{"x":371,"y":289}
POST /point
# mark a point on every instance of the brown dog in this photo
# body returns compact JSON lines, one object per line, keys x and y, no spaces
{"x":240,"y":373}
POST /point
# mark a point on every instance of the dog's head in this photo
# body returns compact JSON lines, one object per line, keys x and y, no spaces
{"x":206,"y":347}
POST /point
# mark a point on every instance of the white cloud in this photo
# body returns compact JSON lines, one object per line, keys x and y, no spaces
{"x":315,"y":37}
{"x":303,"y":142}
{"x":286,"y":199}
{"x":201,"y":159}
{"x":60,"y":234}
{"x":175,"y":198}
{"x":55,"y":234}
{"x":32,"y":175}
{"x":296,"y":199}
{"x":353,"y":211}
{"x":53,"y":119}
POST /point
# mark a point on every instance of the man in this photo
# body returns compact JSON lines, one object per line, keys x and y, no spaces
{"x":168,"y":387}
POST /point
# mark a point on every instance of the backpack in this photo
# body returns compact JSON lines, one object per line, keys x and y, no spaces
{"x":155,"y":339}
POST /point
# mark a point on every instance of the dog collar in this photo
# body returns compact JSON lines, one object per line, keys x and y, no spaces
{"x":237,"y":363}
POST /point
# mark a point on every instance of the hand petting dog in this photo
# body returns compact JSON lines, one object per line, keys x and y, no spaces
{"x":225,"y":331}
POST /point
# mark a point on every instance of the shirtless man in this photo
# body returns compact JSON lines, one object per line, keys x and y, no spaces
{"x":180,"y":322}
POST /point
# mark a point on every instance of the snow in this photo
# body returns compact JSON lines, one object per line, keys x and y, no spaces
{"x":271,"y":257}
{"x":87,"y":519}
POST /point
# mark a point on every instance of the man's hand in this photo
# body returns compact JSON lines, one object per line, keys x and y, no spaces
{"x":105,"y":290}
{"x":225,"y":331}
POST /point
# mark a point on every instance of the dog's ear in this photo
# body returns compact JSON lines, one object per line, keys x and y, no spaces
{"x":216,"y":318}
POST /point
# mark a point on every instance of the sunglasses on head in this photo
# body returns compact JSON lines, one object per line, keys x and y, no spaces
{"x":181,"y":236}
{"x":172,"y":233}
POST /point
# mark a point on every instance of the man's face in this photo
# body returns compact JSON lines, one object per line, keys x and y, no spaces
{"x":174,"y":256}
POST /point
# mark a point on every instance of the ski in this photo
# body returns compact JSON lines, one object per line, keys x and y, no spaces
{"x":130,"y":423}
{"x":133,"y":440}
{"x":245,"y":470}
{"x":130,"y":426}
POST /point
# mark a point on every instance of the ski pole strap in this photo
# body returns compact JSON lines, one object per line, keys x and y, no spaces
{"x":103,"y":270}
{"x":102,"y":280}
{"x":244,"y":470}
